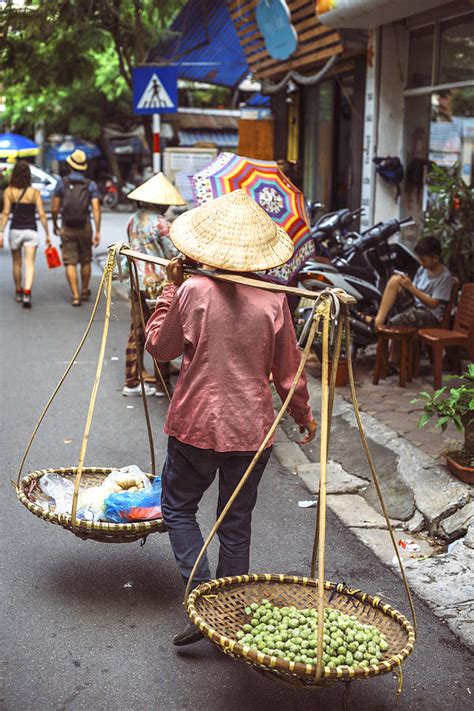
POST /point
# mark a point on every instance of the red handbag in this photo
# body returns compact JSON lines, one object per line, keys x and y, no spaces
{"x":52,"y":257}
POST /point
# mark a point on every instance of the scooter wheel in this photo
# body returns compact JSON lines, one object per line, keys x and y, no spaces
{"x":111,"y":200}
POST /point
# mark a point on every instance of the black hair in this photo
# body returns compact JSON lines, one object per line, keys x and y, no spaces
{"x":21,"y":175}
{"x":428,"y":247}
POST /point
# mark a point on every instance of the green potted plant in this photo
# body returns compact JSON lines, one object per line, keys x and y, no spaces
{"x":450,"y":218}
{"x":457,"y":406}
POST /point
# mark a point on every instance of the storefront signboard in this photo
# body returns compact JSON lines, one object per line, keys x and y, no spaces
{"x":180,"y":163}
{"x":370,"y":109}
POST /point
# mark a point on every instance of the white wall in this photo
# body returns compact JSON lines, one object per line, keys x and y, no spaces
{"x":390,"y":116}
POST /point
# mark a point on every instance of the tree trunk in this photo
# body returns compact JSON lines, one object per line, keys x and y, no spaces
{"x":111,"y":158}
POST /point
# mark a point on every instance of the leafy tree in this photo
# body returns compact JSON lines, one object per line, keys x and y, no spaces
{"x":450,"y":218}
{"x":69,"y":63}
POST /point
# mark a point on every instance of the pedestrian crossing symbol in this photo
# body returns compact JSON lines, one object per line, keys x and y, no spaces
{"x":155,"y":90}
{"x":155,"y":95}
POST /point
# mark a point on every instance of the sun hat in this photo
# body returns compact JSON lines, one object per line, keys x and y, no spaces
{"x":77,"y":160}
{"x":232,"y":232}
{"x":158,"y":191}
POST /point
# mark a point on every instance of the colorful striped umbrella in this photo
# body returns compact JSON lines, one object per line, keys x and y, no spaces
{"x":12,"y":145}
{"x":271,"y":189}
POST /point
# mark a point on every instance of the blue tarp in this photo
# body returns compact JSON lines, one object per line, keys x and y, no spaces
{"x":60,"y":151}
{"x":258,"y":99}
{"x":206,"y":36}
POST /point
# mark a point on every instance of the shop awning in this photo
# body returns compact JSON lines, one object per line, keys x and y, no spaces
{"x":369,"y":13}
{"x":221,"y":139}
{"x":204,"y":45}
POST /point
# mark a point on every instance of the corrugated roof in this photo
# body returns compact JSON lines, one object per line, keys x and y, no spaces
{"x":221,"y":139}
{"x":205,"y":34}
{"x":202,"y":122}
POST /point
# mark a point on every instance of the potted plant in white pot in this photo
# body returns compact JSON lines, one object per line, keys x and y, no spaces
{"x":455,"y":405}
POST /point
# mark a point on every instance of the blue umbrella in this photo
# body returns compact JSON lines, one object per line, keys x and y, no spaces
{"x":60,"y":151}
{"x":12,"y":145}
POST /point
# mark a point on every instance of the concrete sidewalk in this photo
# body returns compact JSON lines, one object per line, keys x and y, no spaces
{"x":392,"y":405}
{"x":427,"y":505}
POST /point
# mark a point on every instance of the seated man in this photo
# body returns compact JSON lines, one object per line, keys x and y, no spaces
{"x":427,"y":295}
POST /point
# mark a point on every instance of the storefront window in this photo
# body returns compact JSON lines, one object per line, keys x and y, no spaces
{"x":420,"y":57}
{"x":456,"y":56}
{"x":439,"y":128}
{"x":452,"y":130}
{"x":318,"y":141}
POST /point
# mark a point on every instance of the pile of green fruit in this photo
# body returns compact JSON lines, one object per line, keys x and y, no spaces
{"x":290,"y":634}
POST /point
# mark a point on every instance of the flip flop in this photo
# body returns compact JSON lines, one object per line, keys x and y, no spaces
{"x":75,"y":302}
{"x":85,"y":295}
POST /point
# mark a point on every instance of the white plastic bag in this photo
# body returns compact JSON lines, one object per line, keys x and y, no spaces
{"x":59,"y":489}
{"x":132,"y":472}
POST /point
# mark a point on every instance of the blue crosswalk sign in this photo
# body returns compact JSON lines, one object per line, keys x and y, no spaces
{"x":155,"y":90}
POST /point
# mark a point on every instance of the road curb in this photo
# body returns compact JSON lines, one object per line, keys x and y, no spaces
{"x":450,"y":599}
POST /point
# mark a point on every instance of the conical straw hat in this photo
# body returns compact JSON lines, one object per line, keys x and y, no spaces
{"x":232,"y":232}
{"x":158,"y":191}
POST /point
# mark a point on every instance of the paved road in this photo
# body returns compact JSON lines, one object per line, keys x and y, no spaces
{"x":89,"y":625}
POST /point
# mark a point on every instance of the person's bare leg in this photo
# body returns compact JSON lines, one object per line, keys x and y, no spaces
{"x":389,"y":297}
{"x":85,"y":277}
{"x":71,"y":276}
{"x":16,"y":268}
{"x":30,"y":254}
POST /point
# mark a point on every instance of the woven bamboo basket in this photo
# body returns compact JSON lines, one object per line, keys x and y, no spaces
{"x":218,"y":609}
{"x":28,"y":488}
{"x":30,"y":495}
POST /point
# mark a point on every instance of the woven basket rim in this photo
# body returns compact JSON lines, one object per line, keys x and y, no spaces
{"x":84,"y":527}
{"x":275,"y":664}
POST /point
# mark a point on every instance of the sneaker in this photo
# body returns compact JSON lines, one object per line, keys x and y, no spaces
{"x":137,"y":390}
{"x":160,"y":393}
{"x":19,"y":296}
{"x":26,"y":300}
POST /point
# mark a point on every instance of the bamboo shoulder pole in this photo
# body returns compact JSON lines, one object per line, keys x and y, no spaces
{"x":239,"y":279}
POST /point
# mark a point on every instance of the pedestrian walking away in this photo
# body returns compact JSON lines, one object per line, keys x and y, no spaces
{"x":148,"y":232}
{"x":74,"y":197}
{"x":22,"y":202}
{"x":232,"y":337}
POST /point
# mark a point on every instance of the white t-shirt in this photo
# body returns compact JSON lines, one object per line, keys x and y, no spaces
{"x":438,"y":287}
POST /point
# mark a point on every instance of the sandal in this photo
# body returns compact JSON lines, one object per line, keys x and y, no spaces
{"x":75,"y":302}
{"x":85,"y":295}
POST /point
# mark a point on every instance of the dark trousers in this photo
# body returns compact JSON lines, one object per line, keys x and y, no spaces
{"x":187,"y":473}
{"x":132,"y":374}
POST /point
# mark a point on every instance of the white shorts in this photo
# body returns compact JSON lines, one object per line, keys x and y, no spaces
{"x":23,"y":238}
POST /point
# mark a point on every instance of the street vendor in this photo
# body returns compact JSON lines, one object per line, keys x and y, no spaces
{"x":148,"y":232}
{"x":232,"y":337}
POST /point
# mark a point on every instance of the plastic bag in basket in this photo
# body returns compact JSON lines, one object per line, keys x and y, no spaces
{"x":143,"y":505}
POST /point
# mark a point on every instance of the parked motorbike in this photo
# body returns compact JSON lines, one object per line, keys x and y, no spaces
{"x":114,"y":192}
{"x":361,"y":264}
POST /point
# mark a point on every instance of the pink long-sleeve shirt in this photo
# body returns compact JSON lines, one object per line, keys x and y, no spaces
{"x":231,"y":337}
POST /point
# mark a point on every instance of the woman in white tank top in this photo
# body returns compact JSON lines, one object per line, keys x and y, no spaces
{"x":23,"y":202}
